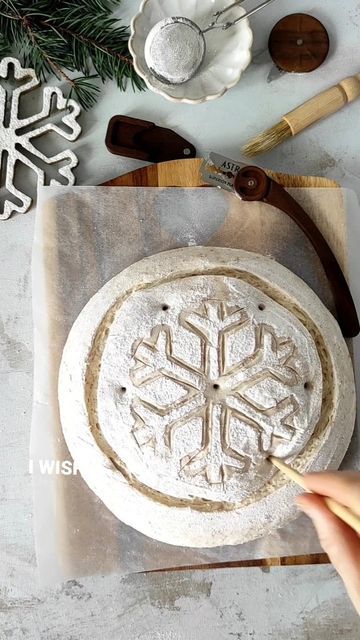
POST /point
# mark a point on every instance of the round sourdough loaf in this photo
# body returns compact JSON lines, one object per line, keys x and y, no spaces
{"x":184,"y":373}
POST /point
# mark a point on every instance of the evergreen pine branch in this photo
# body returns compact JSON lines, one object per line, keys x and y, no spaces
{"x":73,"y":35}
{"x":85,"y":91}
{"x":5,"y":49}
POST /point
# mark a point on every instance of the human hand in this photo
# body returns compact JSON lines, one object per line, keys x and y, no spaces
{"x":339,"y":541}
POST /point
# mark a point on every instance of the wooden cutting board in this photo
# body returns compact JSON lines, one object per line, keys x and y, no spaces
{"x":186,"y":173}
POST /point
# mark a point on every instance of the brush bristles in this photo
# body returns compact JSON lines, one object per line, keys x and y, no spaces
{"x":267,"y":140}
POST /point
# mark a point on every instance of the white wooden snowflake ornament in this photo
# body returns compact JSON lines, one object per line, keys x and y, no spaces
{"x":17,"y":135}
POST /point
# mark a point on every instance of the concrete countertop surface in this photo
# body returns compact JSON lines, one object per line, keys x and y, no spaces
{"x":299,"y":603}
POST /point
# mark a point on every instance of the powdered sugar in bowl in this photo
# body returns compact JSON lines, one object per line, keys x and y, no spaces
{"x":227,"y":54}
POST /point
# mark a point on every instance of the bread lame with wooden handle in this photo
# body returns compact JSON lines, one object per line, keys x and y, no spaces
{"x":315,"y":109}
{"x":253,"y":184}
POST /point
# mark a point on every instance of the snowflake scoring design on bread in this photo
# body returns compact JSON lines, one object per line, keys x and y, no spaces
{"x":239,"y":406}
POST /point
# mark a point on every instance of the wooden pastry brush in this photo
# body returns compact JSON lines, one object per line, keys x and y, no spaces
{"x":345,"y":514}
{"x":312,"y":111}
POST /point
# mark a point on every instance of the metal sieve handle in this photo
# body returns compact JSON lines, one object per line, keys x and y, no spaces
{"x":226,"y":25}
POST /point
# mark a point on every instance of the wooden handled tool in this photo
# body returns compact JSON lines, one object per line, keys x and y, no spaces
{"x":312,"y":111}
{"x":345,"y":514}
{"x":253,"y":184}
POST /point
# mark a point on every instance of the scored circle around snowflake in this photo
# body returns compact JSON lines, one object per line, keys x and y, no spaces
{"x":17,"y":133}
{"x":112,"y":403}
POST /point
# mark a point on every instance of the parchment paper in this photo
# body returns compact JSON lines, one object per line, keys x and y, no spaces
{"x":83,"y":237}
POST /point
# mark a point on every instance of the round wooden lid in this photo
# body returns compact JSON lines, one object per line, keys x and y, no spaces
{"x":298,"y":43}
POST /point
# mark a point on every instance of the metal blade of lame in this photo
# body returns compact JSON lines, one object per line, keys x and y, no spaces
{"x":220,"y":171}
{"x":274,"y":73}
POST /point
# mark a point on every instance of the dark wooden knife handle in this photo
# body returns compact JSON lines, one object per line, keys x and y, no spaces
{"x":252,"y":184}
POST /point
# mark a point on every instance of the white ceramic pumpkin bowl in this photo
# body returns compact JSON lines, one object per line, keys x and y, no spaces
{"x":228,"y":53}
